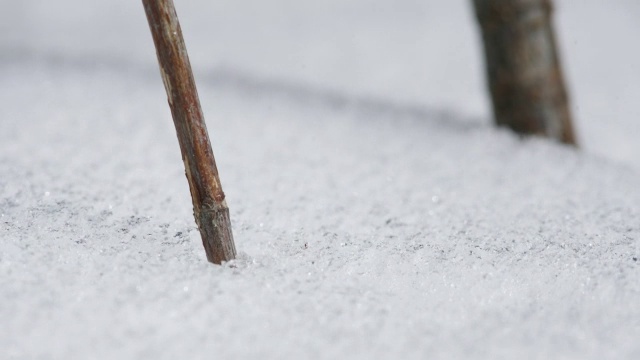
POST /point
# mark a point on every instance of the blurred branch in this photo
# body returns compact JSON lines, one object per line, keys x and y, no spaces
{"x":523,"y":70}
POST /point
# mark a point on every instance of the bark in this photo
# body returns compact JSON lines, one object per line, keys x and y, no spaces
{"x":210,"y":209}
{"x":523,"y":69}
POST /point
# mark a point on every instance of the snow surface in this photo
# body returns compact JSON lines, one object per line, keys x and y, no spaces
{"x":419,"y":51}
{"x":377,"y":213}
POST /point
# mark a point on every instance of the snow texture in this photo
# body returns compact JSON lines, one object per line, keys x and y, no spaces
{"x":377,"y":214}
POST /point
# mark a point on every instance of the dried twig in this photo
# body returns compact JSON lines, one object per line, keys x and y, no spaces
{"x":525,"y":79}
{"x":209,"y":206}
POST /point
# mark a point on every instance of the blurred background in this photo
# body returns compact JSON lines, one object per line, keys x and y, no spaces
{"x":418,"y":52}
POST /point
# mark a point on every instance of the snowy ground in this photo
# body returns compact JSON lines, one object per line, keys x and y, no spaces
{"x":376,"y":211}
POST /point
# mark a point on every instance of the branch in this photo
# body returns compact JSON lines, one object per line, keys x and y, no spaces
{"x":209,"y":206}
{"x":523,"y":70}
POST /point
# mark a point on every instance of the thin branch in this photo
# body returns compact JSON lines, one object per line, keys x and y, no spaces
{"x":209,"y":205}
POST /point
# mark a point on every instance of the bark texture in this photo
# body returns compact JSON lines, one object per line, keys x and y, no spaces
{"x":209,"y":206}
{"x":523,"y":70}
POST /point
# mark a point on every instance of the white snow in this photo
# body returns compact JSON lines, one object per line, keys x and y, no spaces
{"x":377,"y":212}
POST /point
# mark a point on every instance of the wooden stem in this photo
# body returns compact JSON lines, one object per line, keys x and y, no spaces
{"x":523,"y":70}
{"x":209,"y":206}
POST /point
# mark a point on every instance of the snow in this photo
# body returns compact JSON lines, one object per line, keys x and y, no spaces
{"x":376,"y":212}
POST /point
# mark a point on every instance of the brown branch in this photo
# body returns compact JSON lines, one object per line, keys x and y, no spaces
{"x":523,"y":70}
{"x":209,"y":206}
